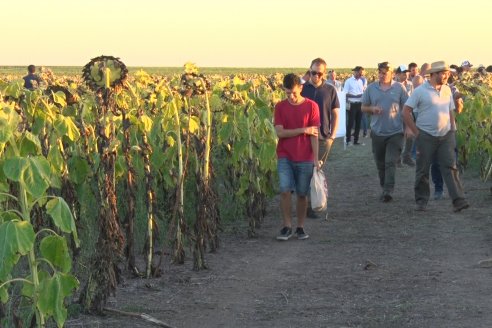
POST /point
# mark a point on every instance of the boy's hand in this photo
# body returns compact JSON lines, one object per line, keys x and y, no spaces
{"x":311,"y":130}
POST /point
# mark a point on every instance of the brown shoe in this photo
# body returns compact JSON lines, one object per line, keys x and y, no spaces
{"x":460,"y":204}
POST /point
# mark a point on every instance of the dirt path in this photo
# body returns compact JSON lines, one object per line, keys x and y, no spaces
{"x":369,"y":265}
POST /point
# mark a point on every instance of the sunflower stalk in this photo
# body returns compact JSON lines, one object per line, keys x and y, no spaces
{"x":146,"y":152}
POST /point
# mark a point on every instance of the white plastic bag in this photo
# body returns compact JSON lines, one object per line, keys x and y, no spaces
{"x":319,"y":191}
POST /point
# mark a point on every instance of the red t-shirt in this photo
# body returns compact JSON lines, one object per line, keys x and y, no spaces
{"x":298,"y":148}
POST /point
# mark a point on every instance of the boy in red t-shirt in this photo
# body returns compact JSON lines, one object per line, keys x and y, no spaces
{"x":297,"y":124}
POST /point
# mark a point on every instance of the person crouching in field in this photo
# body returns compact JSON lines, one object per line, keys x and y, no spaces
{"x":384,"y":100}
{"x":435,"y":135}
{"x":297,"y":122}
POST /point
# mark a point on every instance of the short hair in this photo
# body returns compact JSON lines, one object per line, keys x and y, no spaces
{"x":31,"y":68}
{"x":318,"y":61}
{"x":489,"y":69}
{"x":412,"y":65}
{"x":291,"y":80}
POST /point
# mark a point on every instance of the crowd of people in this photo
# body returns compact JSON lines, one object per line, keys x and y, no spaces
{"x":412,"y":122}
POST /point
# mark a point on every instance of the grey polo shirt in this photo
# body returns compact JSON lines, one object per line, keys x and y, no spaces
{"x":389,"y":122}
{"x":432,"y":108}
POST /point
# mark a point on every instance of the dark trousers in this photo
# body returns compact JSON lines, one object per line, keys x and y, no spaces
{"x":442,"y":148}
{"x":354,"y":116}
{"x":386,"y":150}
{"x":436,"y":173}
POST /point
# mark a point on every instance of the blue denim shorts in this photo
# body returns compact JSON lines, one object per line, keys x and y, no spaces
{"x":295,"y":176}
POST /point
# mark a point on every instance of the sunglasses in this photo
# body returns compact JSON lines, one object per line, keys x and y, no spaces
{"x":320,"y":74}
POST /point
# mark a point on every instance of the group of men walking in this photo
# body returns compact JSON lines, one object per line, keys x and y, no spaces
{"x":306,"y":123}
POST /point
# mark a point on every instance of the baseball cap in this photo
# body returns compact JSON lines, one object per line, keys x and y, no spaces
{"x":466,"y":63}
{"x":402,"y":69}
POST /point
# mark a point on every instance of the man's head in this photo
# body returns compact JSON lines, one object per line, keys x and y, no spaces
{"x":358,"y":71}
{"x":385,"y":72}
{"x":423,"y":70}
{"x":413,"y":70}
{"x":402,"y":73}
{"x":332,"y":75}
{"x":292,"y":87}
{"x":31,"y":69}
{"x":466,"y":65}
{"x":439,"y":72}
{"x":318,"y":69}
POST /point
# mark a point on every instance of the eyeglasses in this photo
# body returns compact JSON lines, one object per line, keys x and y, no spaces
{"x":320,"y":74}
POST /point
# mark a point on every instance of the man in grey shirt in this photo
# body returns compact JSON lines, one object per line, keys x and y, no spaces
{"x":384,"y":100}
{"x":435,"y":135}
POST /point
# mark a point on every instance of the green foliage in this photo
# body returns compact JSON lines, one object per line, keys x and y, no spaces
{"x":32,"y":172}
{"x":52,"y":292}
{"x":474,"y":134}
{"x":16,"y":239}
{"x":58,"y":209}
{"x":55,"y":250}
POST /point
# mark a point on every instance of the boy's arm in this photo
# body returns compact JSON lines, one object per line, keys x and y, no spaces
{"x":288,"y":133}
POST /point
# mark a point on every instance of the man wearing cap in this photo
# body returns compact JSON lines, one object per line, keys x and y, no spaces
{"x":435,"y":135}
{"x":385,"y":100}
{"x":354,"y":87}
{"x":408,"y":141}
{"x":466,"y":66}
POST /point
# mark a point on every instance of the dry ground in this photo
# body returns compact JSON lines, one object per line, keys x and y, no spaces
{"x":369,"y":265}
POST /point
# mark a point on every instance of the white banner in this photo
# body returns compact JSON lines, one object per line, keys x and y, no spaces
{"x":342,"y":126}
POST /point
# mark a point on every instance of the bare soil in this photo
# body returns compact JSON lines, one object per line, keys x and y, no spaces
{"x":370,"y":264}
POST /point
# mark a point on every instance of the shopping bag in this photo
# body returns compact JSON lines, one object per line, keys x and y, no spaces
{"x":319,"y":191}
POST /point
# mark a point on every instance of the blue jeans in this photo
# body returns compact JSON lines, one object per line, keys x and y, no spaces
{"x":436,"y":176}
{"x":363,"y":123}
{"x":295,"y":176}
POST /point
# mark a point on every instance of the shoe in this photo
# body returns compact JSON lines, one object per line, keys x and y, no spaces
{"x":348,"y":143}
{"x":312,"y":214}
{"x":438,"y":195}
{"x":460,"y":204}
{"x":386,"y":197}
{"x":285,"y":233}
{"x":359,"y":143}
{"x":408,"y":161}
{"x":420,"y":207}
{"x":301,"y":235}
{"x":365,"y":135}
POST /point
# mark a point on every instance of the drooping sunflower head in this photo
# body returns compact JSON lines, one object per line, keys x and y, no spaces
{"x":105,"y":72}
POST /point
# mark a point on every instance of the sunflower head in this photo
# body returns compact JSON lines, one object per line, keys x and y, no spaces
{"x":105,"y":72}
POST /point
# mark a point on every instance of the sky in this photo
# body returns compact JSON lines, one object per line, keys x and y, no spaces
{"x":250,"y":33}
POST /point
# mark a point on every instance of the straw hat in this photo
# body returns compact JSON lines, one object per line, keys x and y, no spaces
{"x":438,"y":66}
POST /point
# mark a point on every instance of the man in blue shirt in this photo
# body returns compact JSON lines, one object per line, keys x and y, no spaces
{"x":31,"y":76}
{"x":325,"y":95}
